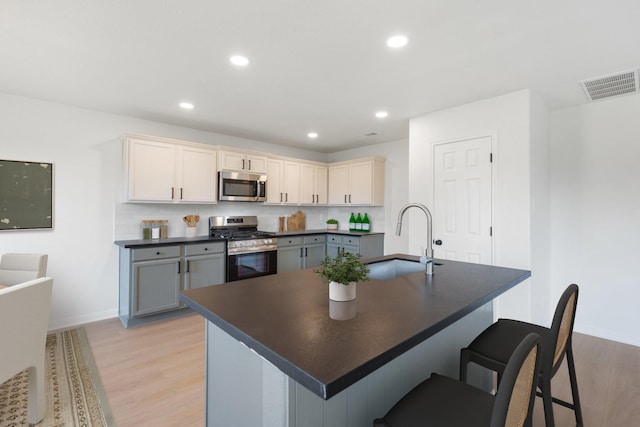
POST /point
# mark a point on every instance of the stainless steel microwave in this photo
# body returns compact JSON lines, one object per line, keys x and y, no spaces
{"x":241,"y":187}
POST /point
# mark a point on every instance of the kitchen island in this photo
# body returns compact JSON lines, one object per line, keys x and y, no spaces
{"x":277,"y":355}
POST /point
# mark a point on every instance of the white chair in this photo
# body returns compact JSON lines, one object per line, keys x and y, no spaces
{"x":18,"y":268}
{"x":24,"y":320}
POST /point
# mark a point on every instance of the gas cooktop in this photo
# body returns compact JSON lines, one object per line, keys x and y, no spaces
{"x":236,"y":228}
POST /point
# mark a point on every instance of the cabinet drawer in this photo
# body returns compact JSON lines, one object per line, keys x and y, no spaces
{"x":155,"y":253}
{"x":334,"y":238}
{"x":283,"y":242}
{"x":204,"y":248}
{"x":349,"y":240}
{"x":316,"y":238}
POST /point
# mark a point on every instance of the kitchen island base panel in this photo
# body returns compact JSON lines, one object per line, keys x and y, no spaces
{"x":243,"y":388}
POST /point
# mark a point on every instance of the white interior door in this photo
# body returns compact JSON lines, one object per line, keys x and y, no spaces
{"x":462,"y":201}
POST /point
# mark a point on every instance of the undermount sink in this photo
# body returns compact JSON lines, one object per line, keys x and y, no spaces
{"x":390,"y":269}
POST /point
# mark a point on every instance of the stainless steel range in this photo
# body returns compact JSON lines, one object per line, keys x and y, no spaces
{"x":250,"y":252}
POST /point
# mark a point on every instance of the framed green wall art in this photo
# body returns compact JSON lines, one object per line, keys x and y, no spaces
{"x":26,"y":195}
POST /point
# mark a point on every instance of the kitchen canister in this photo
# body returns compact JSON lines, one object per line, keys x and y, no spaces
{"x":191,"y":221}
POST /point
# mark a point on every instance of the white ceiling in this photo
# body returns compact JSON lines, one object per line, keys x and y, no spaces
{"x":315,"y":65}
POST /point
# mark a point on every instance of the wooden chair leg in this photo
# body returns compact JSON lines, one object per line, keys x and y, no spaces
{"x":545,"y":387}
{"x":574,"y":386}
{"x":464,"y":361}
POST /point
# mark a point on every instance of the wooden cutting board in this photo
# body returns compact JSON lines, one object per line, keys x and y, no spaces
{"x":297,"y":221}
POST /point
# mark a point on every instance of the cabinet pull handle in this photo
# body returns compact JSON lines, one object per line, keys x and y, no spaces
{"x":280,"y":197}
{"x":345,"y":198}
{"x":206,"y":249}
{"x":286,"y":197}
{"x":306,"y":252}
{"x":188,"y":266}
{"x":180,"y":193}
{"x":249,"y":164}
{"x":317,"y":198}
{"x":172,"y":193}
{"x":300,"y":252}
{"x":178,"y":267}
{"x":242,"y":164}
{"x":349,"y":198}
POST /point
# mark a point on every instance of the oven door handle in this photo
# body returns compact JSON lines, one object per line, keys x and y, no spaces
{"x":243,"y":251}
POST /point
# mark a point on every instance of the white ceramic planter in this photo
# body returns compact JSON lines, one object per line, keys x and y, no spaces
{"x":340,"y":292}
{"x":332,"y":226}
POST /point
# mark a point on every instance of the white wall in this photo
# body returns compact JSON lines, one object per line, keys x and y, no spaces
{"x":85,"y":148}
{"x":507,"y":120}
{"x":540,"y":212}
{"x":595,"y":214}
{"x":383,"y":219}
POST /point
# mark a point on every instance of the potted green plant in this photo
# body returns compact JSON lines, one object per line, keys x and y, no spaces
{"x":332,"y":224}
{"x":342,"y":273}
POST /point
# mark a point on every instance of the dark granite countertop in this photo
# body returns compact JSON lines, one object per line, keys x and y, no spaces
{"x":151,"y":243}
{"x":323,"y":231}
{"x":147,"y":243}
{"x":285,"y":317}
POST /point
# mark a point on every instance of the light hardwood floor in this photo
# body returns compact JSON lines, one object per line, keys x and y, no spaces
{"x":153,"y":375}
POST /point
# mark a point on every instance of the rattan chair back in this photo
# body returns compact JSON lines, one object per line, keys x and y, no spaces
{"x":514,"y":400}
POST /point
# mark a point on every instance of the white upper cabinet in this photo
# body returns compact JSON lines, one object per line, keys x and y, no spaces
{"x":313,"y":184}
{"x":275,"y":181}
{"x":162,"y":170}
{"x":291,"y":182}
{"x":296,"y":183}
{"x":242,"y":162}
{"x":197,"y":175}
{"x":359,"y":182}
{"x":151,"y":171}
{"x":166,"y":172}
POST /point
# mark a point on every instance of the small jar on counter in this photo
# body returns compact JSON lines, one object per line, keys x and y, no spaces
{"x":146,"y":228}
{"x":164,"y":228}
{"x":155,"y":229}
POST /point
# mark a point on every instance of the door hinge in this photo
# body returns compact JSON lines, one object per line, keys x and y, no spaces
{"x":490,"y":157}
{"x":490,"y":231}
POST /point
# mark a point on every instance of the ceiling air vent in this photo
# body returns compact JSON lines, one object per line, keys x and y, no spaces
{"x":611,"y":85}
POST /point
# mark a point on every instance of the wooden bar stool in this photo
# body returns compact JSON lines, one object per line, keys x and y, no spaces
{"x":493,"y":347}
{"x":442,"y":401}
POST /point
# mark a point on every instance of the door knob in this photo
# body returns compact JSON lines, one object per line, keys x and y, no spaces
{"x":438,"y":242}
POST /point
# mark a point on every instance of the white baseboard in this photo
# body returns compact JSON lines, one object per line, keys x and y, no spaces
{"x":74,"y":321}
{"x":608,"y":334}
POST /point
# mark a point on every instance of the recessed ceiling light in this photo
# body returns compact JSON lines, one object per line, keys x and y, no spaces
{"x":312,"y":135}
{"x":397,"y":41}
{"x":381,"y":114}
{"x":186,"y":105}
{"x":240,"y":61}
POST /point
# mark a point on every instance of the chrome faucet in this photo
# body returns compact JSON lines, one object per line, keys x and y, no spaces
{"x":429,"y":250}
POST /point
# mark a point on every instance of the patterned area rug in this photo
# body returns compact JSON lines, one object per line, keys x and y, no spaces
{"x":74,"y":393}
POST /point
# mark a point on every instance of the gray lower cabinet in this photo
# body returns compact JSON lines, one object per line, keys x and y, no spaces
{"x":300,"y":252}
{"x":289,"y":254}
{"x":367,"y":245}
{"x":155,"y":286}
{"x":151,"y":278}
{"x":204,"y":264}
{"x":315,"y":249}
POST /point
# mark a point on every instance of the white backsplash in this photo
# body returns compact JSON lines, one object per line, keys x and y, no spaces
{"x":376,"y":216}
{"x":129,"y":216}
